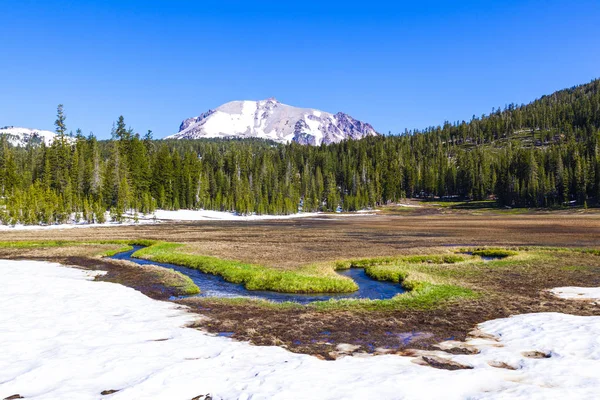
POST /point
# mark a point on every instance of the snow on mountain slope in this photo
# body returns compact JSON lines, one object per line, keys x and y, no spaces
{"x":20,"y":137}
{"x":270,"y":119}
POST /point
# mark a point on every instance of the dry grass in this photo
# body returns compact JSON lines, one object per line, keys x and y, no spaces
{"x":292,"y":243}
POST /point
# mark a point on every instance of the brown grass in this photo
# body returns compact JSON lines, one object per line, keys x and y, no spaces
{"x":292,"y":243}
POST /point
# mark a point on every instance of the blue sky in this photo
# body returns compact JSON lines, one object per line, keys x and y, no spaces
{"x":395,"y":65}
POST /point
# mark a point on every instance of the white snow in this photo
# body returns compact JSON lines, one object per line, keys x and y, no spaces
{"x":409,"y":205}
{"x":235,"y":124}
{"x":128,"y":220}
{"x":183,"y":215}
{"x":18,"y":136}
{"x":315,"y":128}
{"x":20,"y":227}
{"x":267,"y":119}
{"x":577,"y":293}
{"x":65,"y":337}
{"x":207,"y":215}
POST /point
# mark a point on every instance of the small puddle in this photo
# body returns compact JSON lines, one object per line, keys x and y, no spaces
{"x":485,"y":258}
{"x":216,"y":286}
{"x":488,"y":258}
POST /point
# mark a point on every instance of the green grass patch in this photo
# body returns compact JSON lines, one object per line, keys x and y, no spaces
{"x":29,"y":244}
{"x":124,"y":245}
{"x":428,"y":279}
{"x":496,"y":253}
{"x":252,"y":276}
{"x":174,"y":279}
{"x":424,"y":296}
{"x":591,"y":251}
{"x":388,"y":273}
{"x":112,"y":252}
{"x":417,"y":259}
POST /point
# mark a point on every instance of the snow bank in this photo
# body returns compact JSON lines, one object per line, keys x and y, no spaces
{"x":63,"y":337}
{"x":184,"y":215}
{"x":411,"y":205}
{"x":576,"y":293}
{"x":207,"y":215}
{"x":20,"y":227}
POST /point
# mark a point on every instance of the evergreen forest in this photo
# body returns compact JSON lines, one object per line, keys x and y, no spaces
{"x":542,"y":154}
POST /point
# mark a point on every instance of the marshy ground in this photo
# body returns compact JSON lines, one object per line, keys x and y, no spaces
{"x":515,"y":285}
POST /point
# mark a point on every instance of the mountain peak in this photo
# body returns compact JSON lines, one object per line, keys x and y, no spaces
{"x":21,"y":137}
{"x":270,"y":119}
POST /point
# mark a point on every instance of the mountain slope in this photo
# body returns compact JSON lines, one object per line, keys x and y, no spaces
{"x":21,"y":137}
{"x":270,"y":119}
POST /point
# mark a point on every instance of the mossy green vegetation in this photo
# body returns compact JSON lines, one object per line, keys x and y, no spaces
{"x":28,"y":244}
{"x":122,"y":249}
{"x":416,"y":259}
{"x":494,"y":252}
{"x":422,"y":296}
{"x":254,"y":277}
{"x":183,"y":285}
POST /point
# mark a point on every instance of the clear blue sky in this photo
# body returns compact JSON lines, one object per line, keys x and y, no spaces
{"x":396,"y":65}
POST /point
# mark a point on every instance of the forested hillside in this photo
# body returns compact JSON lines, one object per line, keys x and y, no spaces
{"x":538,"y":155}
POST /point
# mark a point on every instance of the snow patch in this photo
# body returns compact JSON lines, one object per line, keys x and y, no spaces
{"x":409,"y":205}
{"x":576,"y":293}
{"x":181,"y":215}
{"x":18,"y":136}
{"x":208,"y":215}
{"x":129,"y":220}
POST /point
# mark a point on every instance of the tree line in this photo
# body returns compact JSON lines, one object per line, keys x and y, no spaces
{"x":541,"y":154}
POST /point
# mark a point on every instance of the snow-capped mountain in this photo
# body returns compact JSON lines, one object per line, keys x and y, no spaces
{"x":22,"y":136}
{"x":270,"y":119}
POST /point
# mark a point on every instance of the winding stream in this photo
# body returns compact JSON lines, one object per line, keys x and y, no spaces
{"x":216,"y":286}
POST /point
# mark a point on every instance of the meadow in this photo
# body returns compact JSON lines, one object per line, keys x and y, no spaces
{"x":442,"y":258}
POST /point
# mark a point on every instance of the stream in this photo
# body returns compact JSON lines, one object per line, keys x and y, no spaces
{"x":216,"y":286}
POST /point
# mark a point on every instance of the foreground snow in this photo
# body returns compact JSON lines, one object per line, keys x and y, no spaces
{"x":65,"y":337}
